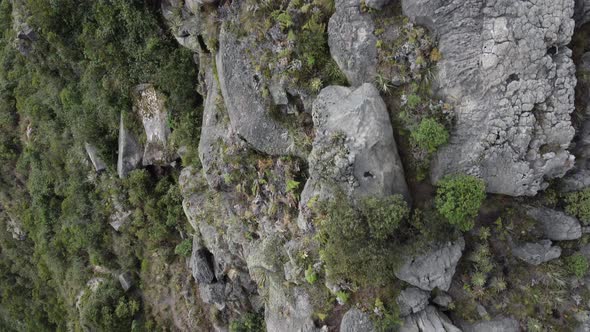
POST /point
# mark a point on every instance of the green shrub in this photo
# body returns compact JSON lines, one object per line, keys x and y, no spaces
{"x":184,"y":248}
{"x":310,"y":275}
{"x":578,"y":205}
{"x":458,"y":199}
{"x":577,"y":264}
{"x":350,"y":250}
{"x":430,"y":135}
{"x":384,"y":215}
{"x":251,"y":322}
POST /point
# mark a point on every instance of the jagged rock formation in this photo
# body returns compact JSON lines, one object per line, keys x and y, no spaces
{"x":354,"y":150}
{"x":97,"y":162}
{"x":352,"y":42}
{"x":556,"y":225}
{"x":508,"y":71}
{"x":356,"y":321}
{"x":185,"y":23}
{"x":201,"y":263}
{"x":246,"y":106}
{"x":412,"y":300}
{"x":429,"y":319}
{"x":149,"y":104}
{"x":434,"y":269}
{"x":377,"y":4}
{"x":129,"y":151}
{"x":537,"y":253}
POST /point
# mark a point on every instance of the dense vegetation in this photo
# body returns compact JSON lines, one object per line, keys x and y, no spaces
{"x":71,"y":89}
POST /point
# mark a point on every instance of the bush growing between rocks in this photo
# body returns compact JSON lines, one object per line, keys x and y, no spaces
{"x":359,"y":245}
{"x":251,"y":322}
{"x":430,"y":135}
{"x":458,"y":199}
{"x":578,"y":205}
{"x":184,"y":248}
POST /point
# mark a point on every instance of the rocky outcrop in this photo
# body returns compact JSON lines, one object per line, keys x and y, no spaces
{"x":126,"y":280}
{"x":507,"y":69}
{"x":412,"y":300}
{"x":352,"y":42}
{"x":556,"y":225}
{"x":25,"y":33}
{"x":97,"y":162}
{"x":377,"y":4}
{"x":500,"y":324}
{"x":184,"y":21}
{"x":15,"y":228}
{"x":201,"y":263}
{"x":431,"y":320}
{"x":288,"y":309}
{"x":355,"y":320}
{"x":248,"y":109}
{"x":149,"y":104}
{"x":537,"y":253}
{"x":434,"y":269}
{"x":354,"y":149}
{"x":129,"y":151}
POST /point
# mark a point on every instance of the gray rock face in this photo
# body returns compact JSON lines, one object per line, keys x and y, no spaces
{"x":575,"y":181}
{"x":582,"y":12}
{"x":249,"y":111}
{"x":434,"y":269}
{"x":97,"y":162}
{"x":150,"y":105}
{"x":412,"y":300}
{"x":15,"y":227}
{"x":25,"y":34}
{"x":377,"y":4}
{"x":537,"y":253}
{"x":443,"y":300}
{"x":201,"y":263}
{"x":354,"y":147}
{"x":288,"y":310}
{"x":428,"y":320}
{"x":184,"y":22}
{"x":126,"y":280}
{"x":129,"y":151}
{"x":556,"y":225}
{"x":507,"y":69}
{"x":500,"y":324}
{"x":352,"y":42}
{"x":355,"y":320}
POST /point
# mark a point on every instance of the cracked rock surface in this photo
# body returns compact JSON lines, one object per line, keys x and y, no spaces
{"x":507,"y":69}
{"x":537,"y":253}
{"x":556,"y":225}
{"x":434,"y":269}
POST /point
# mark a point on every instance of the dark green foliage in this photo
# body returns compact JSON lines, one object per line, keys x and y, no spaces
{"x":184,"y":248}
{"x":458,"y":198}
{"x":577,"y":264}
{"x":430,"y":135}
{"x":578,"y":205}
{"x":384,"y":215}
{"x":107,"y":308}
{"x":251,"y":322}
{"x":351,"y":248}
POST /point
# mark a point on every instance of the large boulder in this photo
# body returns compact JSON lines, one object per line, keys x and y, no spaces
{"x":434,"y":269}
{"x":354,"y":149}
{"x":126,"y":280}
{"x":129,"y":151}
{"x":556,"y":225}
{"x":537,"y":253}
{"x":352,"y":42}
{"x":288,"y":309}
{"x":507,"y":69}
{"x":412,"y":300}
{"x":184,"y":21}
{"x":248,"y":108}
{"x":149,"y":104}
{"x":499,"y":324}
{"x":97,"y":162}
{"x":428,"y":320}
{"x":201,"y":263}
{"x":355,"y":320}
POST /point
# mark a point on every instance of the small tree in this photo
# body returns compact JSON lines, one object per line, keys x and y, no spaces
{"x":458,"y":199}
{"x":184,"y":248}
{"x":430,"y":135}
{"x":577,"y":264}
{"x":578,"y":205}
